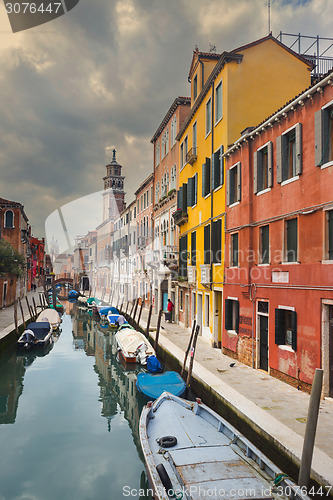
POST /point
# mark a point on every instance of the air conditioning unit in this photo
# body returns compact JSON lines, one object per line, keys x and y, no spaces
{"x":192,"y":274}
{"x":205,"y":274}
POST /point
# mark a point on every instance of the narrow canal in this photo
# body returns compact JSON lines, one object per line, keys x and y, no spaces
{"x":69,"y":419}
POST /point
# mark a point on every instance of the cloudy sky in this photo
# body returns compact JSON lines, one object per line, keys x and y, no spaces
{"x":103,"y":76}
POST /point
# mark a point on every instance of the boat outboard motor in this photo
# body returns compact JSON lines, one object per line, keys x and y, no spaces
{"x":141,"y":353}
{"x":29,"y":338}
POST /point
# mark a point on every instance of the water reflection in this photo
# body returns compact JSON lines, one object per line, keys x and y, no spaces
{"x":76,"y":414}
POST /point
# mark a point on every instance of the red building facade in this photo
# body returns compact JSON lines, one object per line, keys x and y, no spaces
{"x":36,"y":262}
{"x":278,"y":290}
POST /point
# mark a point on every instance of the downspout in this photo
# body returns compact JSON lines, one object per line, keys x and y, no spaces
{"x":212,"y":200}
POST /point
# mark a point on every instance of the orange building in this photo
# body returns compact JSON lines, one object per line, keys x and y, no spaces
{"x":278,"y":287}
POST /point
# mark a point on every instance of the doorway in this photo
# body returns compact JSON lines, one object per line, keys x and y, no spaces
{"x":327,"y":346}
{"x":262,"y":335}
{"x":330,"y":342}
{"x":199,"y":312}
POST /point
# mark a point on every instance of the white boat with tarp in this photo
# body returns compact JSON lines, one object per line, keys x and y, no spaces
{"x":133,"y":346}
{"x":191,"y":452}
{"x":50,"y":315}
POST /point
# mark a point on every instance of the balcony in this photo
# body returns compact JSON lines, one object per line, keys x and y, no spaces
{"x":192,"y":274}
{"x":180,"y":217}
{"x":205,"y":274}
{"x":191,"y":156}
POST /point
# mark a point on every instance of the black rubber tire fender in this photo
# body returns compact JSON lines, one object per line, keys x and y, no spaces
{"x":167,"y":441}
{"x":164,"y":476}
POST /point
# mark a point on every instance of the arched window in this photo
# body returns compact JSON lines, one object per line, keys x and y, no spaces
{"x":9,"y":218}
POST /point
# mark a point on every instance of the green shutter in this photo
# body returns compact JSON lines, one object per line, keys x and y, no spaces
{"x":280,"y":335}
{"x":184,"y":206}
{"x":180,"y":198}
{"x":298,"y":142}
{"x":221,"y":158}
{"x":190,"y":192}
{"x":216,"y":169}
{"x":294,"y":330}
{"x":228,"y":314}
{"x":216,"y":241}
{"x":213,"y":171}
{"x":207,"y":244}
{"x":228,"y":187}
{"x":195,"y":189}
{"x":270,"y":164}
{"x":255,"y":172}
{"x":279,"y":159}
{"x":239,"y":182}
{"x":203,"y":180}
{"x":318,"y":138}
{"x":193,"y":248}
{"x":207,"y":177}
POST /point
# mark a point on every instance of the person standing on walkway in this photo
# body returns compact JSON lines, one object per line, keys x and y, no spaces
{"x":170,"y":310}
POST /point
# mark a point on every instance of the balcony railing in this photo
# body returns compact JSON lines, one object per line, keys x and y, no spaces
{"x":192,"y":274}
{"x":191,"y":156}
{"x":205,"y":274}
{"x":180,"y":217}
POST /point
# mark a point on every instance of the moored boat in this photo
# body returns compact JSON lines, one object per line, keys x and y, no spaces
{"x":192,"y":452}
{"x":51,"y":316}
{"x":133,"y":346}
{"x":153,"y":385}
{"x":37,"y":334}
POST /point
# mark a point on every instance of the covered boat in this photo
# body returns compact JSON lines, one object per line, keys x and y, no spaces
{"x":93,"y":301}
{"x":37,"y":334}
{"x":154,"y":385}
{"x":105,"y":310}
{"x":133,"y":346}
{"x":192,"y":452}
{"x":116,"y":320}
{"x":73,"y":294}
{"x":51,"y":316}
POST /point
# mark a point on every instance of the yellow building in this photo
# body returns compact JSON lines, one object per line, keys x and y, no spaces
{"x":229,"y":93}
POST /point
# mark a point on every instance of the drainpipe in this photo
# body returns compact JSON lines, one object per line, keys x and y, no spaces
{"x":212,"y":199}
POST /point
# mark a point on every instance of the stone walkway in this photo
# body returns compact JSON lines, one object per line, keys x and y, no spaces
{"x":7,"y":314}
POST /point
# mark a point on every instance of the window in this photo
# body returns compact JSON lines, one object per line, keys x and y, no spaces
{"x":324,"y":136}
{"x":9,"y":218}
{"x":231,"y":318}
{"x":264,"y":245}
{"x":206,"y":178}
{"x":181,"y":300}
{"x":185,"y":148}
{"x":234,"y":184}
{"x":216,"y":241}
{"x":206,"y":310}
{"x":157,"y":153}
{"x":182,"y":198}
{"x":183,"y":256}
{"x":217,"y":168}
{"x":173,"y":130}
{"x":234,"y":250}
{"x":194,"y":136}
{"x":207,"y":244}
{"x":291,"y":240}
{"x":192,"y":185}
{"x":218,"y":102}
{"x":286,"y":328}
{"x":329,"y":218}
{"x":262,"y":168}
{"x":208,"y":116}
{"x":193,"y":248}
{"x":289,"y":154}
{"x":181,"y":155}
{"x":195,"y":87}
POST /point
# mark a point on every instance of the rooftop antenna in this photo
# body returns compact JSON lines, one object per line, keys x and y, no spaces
{"x":212,"y":48}
{"x":269,"y":16}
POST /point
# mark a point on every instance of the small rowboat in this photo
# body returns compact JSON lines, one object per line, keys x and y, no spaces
{"x":36,"y":335}
{"x":51,"y":316}
{"x":153,"y":386}
{"x":191,"y":452}
{"x":133,"y":346}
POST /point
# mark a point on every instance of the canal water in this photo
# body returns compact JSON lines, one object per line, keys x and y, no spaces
{"x":69,"y":419}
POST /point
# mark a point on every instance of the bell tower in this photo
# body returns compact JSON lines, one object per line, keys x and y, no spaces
{"x":114,"y":194}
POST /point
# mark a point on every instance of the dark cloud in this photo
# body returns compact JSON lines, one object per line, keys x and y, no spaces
{"x":103,"y":75}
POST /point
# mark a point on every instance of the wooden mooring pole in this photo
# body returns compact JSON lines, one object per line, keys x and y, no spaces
{"x":15,"y":317}
{"x":189,"y":375}
{"x":34,"y":303}
{"x":188,"y":349}
{"x":140,"y":312}
{"x":20,"y":304}
{"x":135,"y":309}
{"x":158,"y":330}
{"x":29,"y":308}
{"x":310,"y":430}
{"x":148,"y":321}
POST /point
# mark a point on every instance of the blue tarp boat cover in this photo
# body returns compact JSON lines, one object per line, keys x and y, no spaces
{"x":153,"y":385}
{"x":112,"y":318}
{"x":108,"y":309}
{"x":153,"y":365}
{"x":40,"y":329}
{"x":73,"y":293}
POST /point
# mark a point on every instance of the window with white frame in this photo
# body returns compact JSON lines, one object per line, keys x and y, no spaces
{"x":194,"y":137}
{"x":208,"y":116}
{"x":206,"y":323}
{"x":286,"y":327}
{"x":231,"y":318}
{"x":329,"y":235}
{"x":218,"y":102}
{"x":263,"y":168}
{"x":181,"y":155}
{"x":289,"y":154}
{"x":291,"y":240}
{"x":234,"y":184}
{"x":157,"y":153}
{"x":324,"y":135}
{"x":9,"y":219}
